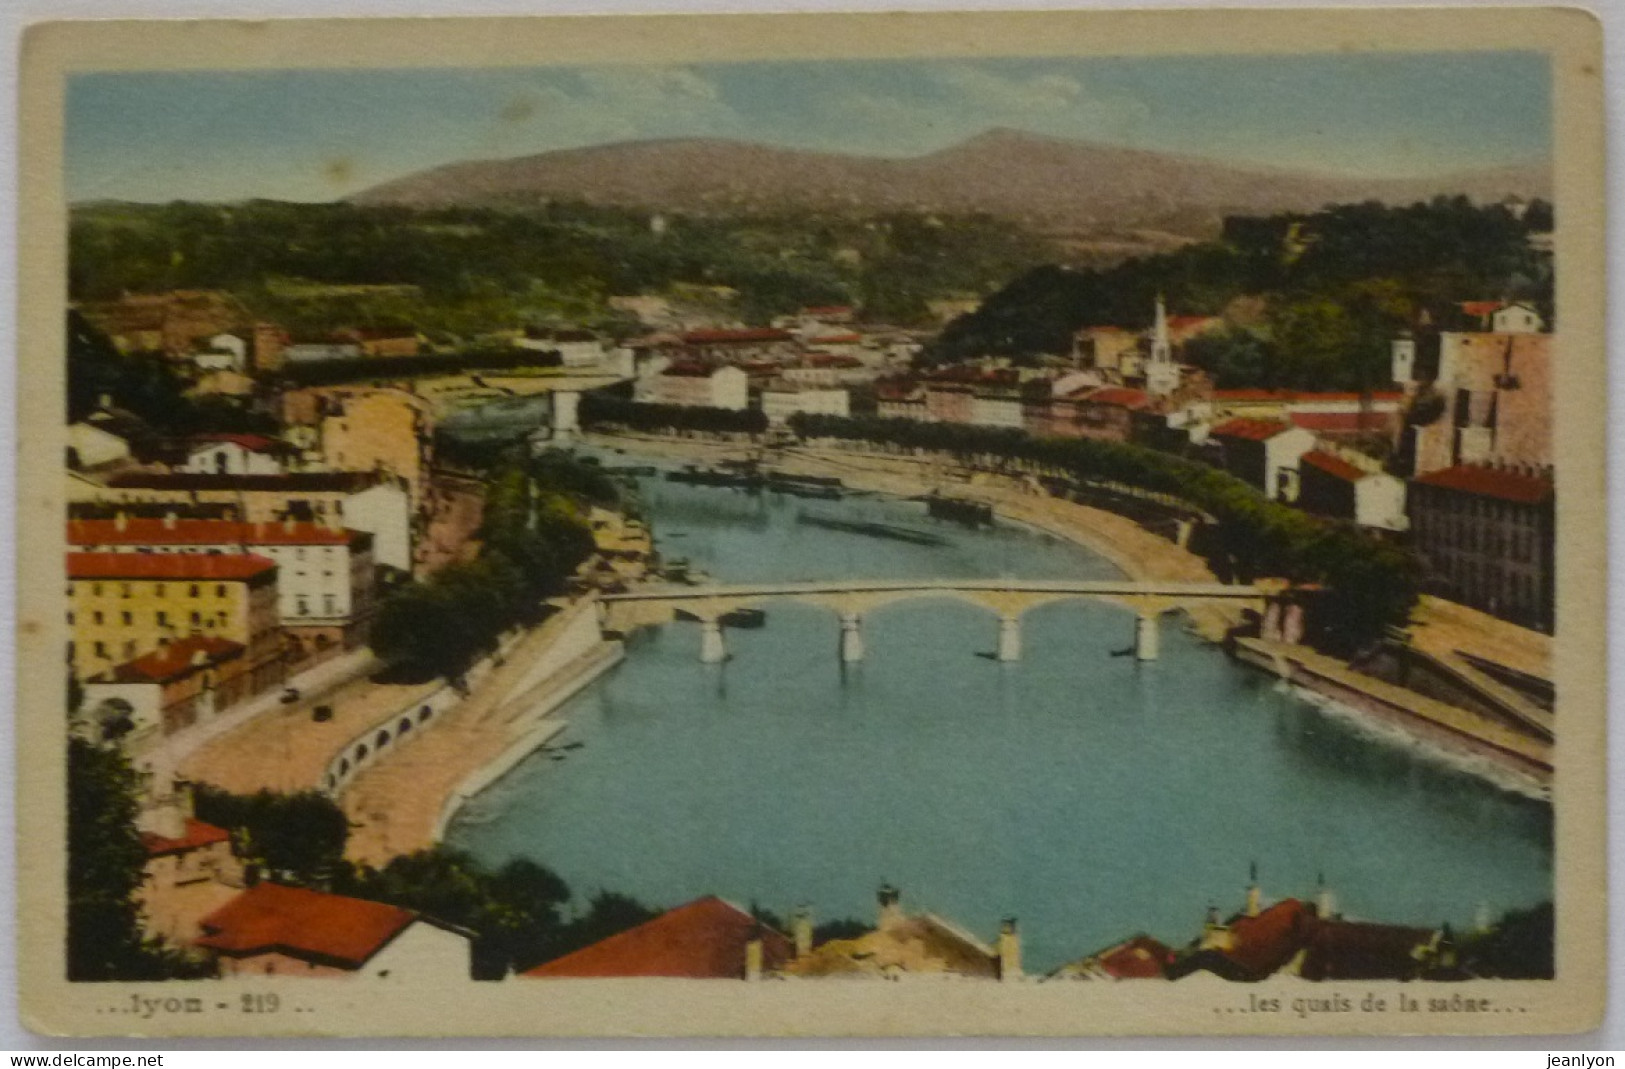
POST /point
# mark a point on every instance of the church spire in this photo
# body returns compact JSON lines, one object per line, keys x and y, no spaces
{"x":1161,"y":349}
{"x":1161,"y":373}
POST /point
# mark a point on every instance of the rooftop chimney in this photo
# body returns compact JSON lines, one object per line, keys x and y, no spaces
{"x":1325,"y":901}
{"x":1255,"y":897}
{"x":753,"y":955}
{"x":801,"y":931}
{"x":121,"y":521}
{"x":1009,"y":950}
{"x":891,"y":913}
{"x":169,"y":521}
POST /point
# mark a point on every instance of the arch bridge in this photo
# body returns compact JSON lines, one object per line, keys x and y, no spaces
{"x":852,"y":599}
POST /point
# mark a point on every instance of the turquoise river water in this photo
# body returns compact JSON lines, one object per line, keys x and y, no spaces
{"x":1089,"y":796}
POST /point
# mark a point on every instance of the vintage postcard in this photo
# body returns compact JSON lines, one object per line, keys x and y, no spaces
{"x":934,"y":524}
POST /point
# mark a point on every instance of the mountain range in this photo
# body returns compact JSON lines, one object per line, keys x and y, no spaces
{"x":1051,"y":184}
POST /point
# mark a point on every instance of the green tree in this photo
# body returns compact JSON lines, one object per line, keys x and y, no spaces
{"x":106,"y":860}
{"x":291,"y":838}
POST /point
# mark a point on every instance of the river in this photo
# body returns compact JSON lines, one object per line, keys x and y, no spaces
{"x":1087,"y":795}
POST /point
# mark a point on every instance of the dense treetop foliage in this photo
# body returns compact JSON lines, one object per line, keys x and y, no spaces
{"x":533,"y":536}
{"x":1313,"y":299}
{"x":605,"y":410}
{"x":478,"y":270}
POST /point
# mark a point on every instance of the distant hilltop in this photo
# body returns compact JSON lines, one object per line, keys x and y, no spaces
{"x":1050,"y":183}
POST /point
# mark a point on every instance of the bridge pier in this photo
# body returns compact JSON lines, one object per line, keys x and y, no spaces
{"x":1147,"y":637}
{"x":851,"y":638}
{"x":713,"y":650}
{"x":1009,"y":638}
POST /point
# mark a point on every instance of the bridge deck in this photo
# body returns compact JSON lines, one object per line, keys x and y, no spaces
{"x":1098,"y":588}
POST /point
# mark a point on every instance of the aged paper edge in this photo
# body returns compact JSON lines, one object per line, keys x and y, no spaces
{"x":1572,"y":1002}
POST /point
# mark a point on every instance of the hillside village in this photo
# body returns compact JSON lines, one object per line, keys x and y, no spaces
{"x":263,"y":522}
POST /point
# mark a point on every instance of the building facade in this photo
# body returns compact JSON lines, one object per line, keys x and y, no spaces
{"x":1488,"y":536}
{"x":123,"y":605}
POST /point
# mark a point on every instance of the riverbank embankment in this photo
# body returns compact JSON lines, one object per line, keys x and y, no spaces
{"x":402,"y":804}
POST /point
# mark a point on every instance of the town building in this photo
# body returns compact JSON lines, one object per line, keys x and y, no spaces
{"x":223,"y":352}
{"x":1489,"y":403}
{"x":358,"y":500}
{"x":904,"y":946}
{"x":1487,"y":536}
{"x":122,"y":605}
{"x":1108,"y":349}
{"x":380,"y":429}
{"x":1342,"y":487}
{"x":237,"y":454}
{"x":1336,"y":415}
{"x":1262,"y":452}
{"x":326,"y":581}
{"x":900,"y":398}
{"x":783,"y":400}
{"x":167,"y":690}
{"x":385,"y":341}
{"x":693,"y":384}
{"x":273,"y":930}
{"x":176,"y":323}
{"x":706,"y":939}
{"x":735,"y":344}
{"x":320,"y":350}
{"x":191,"y":869}
{"x":574,"y":348}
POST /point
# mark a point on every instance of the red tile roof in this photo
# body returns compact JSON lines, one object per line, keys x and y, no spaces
{"x":1120,"y":396}
{"x":1334,"y":422}
{"x":254,"y":443}
{"x":1256,"y":430}
{"x":748,"y":334}
{"x":177,"y":659}
{"x":703,"y":940}
{"x":152,"y":531}
{"x":1480,"y":308}
{"x":1335,"y":466}
{"x":1499,"y":483}
{"x":311,"y":925}
{"x":233,"y":566}
{"x":197,"y":834}
{"x":1303,"y":396}
{"x":1140,"y":958}
{"x":1264,"y":943}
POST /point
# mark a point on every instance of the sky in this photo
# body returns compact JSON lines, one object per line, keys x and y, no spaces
{"x":315,"y":135}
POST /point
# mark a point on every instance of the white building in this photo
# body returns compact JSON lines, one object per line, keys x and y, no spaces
{"x":781,"y":401}
{"x":996,"y":410}
{"x":1516,"y":318}
{"x":92,"y":447}
{"x":237,"y":454}
{"x":383,"y":510}
{"x":576,"y":348}
{"x":273,"y":930}
{"x":1351,"y":487}
{"x":226,"y":352}
{"x":694,"y":385}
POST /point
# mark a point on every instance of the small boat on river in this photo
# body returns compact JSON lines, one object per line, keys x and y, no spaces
{"x":873,"y":528}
